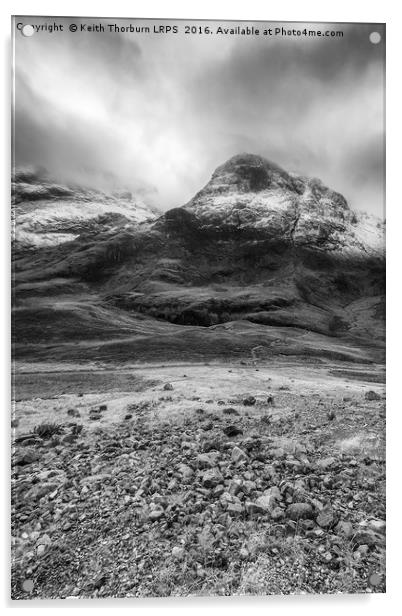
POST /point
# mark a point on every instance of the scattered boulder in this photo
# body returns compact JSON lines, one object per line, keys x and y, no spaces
{"x":269,"y":500}
{"x":326,"y":463}
{"x":344,"y":528}
{"x":99,"y":581}
{"x":155,"y":514}
{"x":235,"y":508}
{"x":212,"y":478}
{"x":185,"y":471}
{"x":235,"y":486}
{"x":299,"y":511}
{"x":372,"y":395}
{"x":23,"y":438}
{"x":69,"y":438}
{"x":168,"y":387}
{"x":377,"y":526}
{"x":210,"y":445}
{"x":230,"y":411}
{"x":178,"y":553}
{"x":44,"y":540}
{"x":248,"y":486}
{"x":29,"y":456}
{"x":219,"y":490}
{"x":366,"y":536}
{"x":94,"y":414}
{"x":249,"y":401}
{"x":42,"y":544}
{"x":97,"y":478}
{"x":207,"y":460}
{"x":30,"y":441}
{"x":232,"y":431}
{"x":238,"y":455}
{"x":326,"y":517}
{"x":307,"y":524}
{"x":277,"y":514}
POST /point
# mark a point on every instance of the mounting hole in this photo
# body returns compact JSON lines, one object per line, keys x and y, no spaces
{"x":27,"y":585}
{"x":27,"y":30}
{"x":375,"y":38}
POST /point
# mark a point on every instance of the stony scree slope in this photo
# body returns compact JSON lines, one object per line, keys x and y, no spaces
{"x":236,"y":496}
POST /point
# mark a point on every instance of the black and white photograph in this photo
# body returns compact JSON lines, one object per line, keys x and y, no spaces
{"x":198,"y":308}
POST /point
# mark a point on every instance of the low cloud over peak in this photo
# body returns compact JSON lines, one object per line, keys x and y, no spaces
{"x":160,"y":113}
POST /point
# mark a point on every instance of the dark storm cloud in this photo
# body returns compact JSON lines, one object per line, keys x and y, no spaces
{"x":308,"y":105}
{"x":165,"y":111}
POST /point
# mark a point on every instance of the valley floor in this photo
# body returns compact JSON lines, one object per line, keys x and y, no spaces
{"x":198,"y":479}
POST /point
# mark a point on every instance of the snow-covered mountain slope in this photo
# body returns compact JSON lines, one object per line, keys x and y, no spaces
{"x":256,"y":245}
{"x":46,"y":213}
{"x":249,"y":194}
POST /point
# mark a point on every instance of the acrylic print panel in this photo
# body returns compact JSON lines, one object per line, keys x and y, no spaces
{"x":198,"y":308}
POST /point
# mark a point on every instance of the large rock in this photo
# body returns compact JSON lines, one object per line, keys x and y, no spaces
{"x":249,"y":401}
{"x":178,"y":552}
{"x":299,"y":511}
{"x":270,"y":499}
{"x":28,"y":456}
{"x":377,"y":526}
{"x":326,"y":517}
{"x":326,"y":463}
{"x":155,"y":514}
{"x":235,"y":486}
{"x":344,"y":528}
{"x":205,"y":460}
{"x":185,"y":471}
{"x":211,"y":478}
{"x":372,"y":395}
{"x":232,"y":431}
{"x":366,"y":536}
{"x":266,"y":503}
{"x":238,"y":455}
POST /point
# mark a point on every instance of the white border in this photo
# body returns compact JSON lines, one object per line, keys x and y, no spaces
{"x":291,"y":10}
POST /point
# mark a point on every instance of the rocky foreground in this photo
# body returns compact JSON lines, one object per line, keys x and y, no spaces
{"x":235,"y":497}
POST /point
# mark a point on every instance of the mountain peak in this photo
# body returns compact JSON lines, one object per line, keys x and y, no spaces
{"x":250,"y":173}
{"x":252,"y":178}
{"x":246,"y":159}
{"x":249,"y":194}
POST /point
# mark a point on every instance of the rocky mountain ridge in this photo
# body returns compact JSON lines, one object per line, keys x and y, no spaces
{"x":256,"y":247}
{"x":250,"y":194}
{"x":48,"y":213}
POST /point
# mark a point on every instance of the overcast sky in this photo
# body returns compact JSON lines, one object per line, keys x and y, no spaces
{"x":161,"y":112}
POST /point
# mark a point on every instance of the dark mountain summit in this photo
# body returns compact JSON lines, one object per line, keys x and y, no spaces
{"x":257,"y":255}
{"x":250,"y":194}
